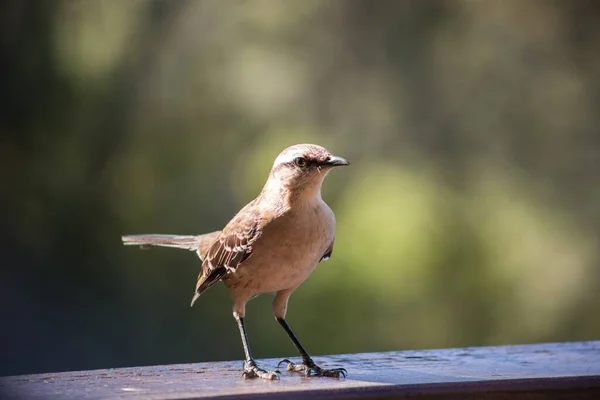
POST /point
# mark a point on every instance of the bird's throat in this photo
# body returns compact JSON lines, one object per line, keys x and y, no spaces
{"x":287,"y":196}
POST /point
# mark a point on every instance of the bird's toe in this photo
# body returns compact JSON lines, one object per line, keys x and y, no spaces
{"x":308,"y":368}
{"x":252,"y":371}
{"x":334,"y":373}
{"x":285,"y":361}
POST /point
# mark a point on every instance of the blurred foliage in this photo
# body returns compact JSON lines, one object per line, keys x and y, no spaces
{"x":470,"y":214}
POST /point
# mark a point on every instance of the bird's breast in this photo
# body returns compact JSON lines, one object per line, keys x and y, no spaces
{"x":288,"y":250}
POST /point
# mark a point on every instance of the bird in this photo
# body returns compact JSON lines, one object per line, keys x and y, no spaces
{"x":270,"y":246}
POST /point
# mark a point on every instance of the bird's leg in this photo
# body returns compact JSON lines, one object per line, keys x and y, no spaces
{"x":251,"y":370}
{"x":308,"y":366}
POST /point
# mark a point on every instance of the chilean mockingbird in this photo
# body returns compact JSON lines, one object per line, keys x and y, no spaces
{"x":270,"y":246}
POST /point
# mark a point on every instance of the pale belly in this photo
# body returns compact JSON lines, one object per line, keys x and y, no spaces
{"x":283,"y":258}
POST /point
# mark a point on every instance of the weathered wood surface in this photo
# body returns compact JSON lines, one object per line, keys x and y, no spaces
{"x":541,"y":371}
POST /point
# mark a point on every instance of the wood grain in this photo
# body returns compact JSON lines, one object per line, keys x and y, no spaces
{"x":539,"y":371}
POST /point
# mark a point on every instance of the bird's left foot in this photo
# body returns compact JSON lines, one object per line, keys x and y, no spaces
{"x":308,"y":367}
{"x":251,"y":370}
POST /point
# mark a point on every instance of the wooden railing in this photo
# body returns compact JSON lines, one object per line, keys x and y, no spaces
{"x":540,"y":371}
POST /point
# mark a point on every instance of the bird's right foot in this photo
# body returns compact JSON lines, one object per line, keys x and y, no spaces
{"x":308,"y":367}
{"x":252,"y":371}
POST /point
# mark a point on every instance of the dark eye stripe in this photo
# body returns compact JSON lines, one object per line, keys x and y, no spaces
{"x":307,"y":163}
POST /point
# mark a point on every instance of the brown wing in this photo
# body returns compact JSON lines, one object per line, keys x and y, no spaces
{"x":231,"y":249}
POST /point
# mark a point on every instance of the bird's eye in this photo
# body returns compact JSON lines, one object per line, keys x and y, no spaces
{"x":299,"y":161}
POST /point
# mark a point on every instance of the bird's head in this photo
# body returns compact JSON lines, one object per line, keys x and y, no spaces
{"x":303,"y":167}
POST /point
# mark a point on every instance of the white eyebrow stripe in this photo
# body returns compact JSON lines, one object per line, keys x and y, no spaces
{"x":287,"y":157}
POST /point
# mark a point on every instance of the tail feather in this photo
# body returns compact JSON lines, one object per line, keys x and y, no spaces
{"x":177,"y":241}
{"x":198,"y":243}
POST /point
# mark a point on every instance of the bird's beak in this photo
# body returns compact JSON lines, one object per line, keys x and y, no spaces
{"x":334,"y":161}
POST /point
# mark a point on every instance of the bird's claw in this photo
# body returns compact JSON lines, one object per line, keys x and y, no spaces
{"x":308,"y":367}
{"x":252,"y":371}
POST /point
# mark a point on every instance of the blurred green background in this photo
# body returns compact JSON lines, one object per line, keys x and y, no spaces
{"x":470,"y":214}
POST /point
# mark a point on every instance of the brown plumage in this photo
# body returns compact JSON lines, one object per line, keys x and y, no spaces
{"x":270,"y":246}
